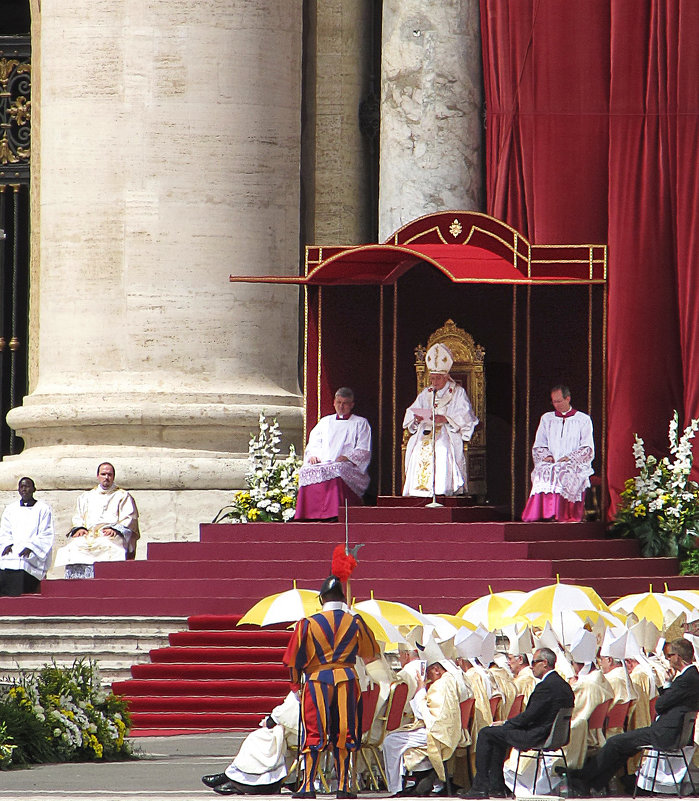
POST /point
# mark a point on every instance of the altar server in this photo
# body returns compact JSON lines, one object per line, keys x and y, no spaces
{"x":335,"y":463}
{"x":26,"y":539}
{"x":563,"y":452}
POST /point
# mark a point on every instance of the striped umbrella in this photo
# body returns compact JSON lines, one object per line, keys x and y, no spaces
{"x":283,"y":607}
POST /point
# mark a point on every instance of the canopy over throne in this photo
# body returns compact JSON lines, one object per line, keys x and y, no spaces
{"x":467,"y":371}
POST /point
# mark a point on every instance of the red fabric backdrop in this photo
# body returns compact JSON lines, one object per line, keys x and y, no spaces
{"x":592,"y":131}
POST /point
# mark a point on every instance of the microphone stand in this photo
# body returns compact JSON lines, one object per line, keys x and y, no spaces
{"x":434,"y":504}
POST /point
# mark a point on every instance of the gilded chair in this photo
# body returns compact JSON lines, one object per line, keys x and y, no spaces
{"x":467,"y":371}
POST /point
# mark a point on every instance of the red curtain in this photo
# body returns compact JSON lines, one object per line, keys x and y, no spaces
{"x":592,"y":131}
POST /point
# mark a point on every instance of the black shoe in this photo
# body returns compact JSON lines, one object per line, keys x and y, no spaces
{"x":214,"y":779}
{"x":345,"y":794}
{"x":228,"y":788}
{"x":473,"y":793}
{"x":503,"y":791}
{"x":577,"y":788}
{"x":304,"y":794}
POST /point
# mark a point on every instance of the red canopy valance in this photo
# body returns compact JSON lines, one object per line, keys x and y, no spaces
{"x":466,"y":246}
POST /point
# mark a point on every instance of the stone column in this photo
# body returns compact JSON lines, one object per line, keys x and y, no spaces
{"x":167,"y":150}
{"x":431,"y":110}
{"x":336,"y":155}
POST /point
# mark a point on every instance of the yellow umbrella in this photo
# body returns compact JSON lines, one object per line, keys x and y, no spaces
{"x":658,"y":607}
{"x":381,"y":628}
{"x":553,"y":599}
{"x":446,"y":626}
{"x":395,"y":612}
{"x":568,"y":622}
{"x":283,"y":607}
{"x":491,"y":611}
{"x":690,"y":596}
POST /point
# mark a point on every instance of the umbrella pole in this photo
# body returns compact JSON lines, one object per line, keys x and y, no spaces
{"x":434,"y":503}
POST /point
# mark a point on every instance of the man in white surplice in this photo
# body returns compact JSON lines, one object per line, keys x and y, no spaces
{"x":26,"y":539}
{"x":563,"y":452}
{"x":335,"y":462}
{"x":455,"y":422}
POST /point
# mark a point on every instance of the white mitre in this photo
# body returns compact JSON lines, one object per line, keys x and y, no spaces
{"x":439,"y":359}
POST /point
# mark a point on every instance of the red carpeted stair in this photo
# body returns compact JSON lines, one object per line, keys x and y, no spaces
{"x":216,"y":676}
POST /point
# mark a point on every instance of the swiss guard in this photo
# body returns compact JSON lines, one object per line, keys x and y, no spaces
{"x":323,"y":650}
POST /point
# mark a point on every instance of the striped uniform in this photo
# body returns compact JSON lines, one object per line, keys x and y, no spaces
{"x":324,"y":647}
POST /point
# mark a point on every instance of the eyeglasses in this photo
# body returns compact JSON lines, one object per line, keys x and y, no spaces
{"x":536,"y":661}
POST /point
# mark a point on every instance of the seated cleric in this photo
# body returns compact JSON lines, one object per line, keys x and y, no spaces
{"x":105,"y":527}
{"x":455,"y":422}
{"x":563,"y":452}
{"x":335,"y":463}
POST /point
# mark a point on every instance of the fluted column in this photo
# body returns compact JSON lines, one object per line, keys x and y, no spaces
{"x":167,"y":145}
{"x":431,"y":110}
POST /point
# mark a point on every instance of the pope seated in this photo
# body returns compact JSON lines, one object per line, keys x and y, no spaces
{"x":454,"y":423}
{"x":336,"y":462}
{"x":105,"y":527}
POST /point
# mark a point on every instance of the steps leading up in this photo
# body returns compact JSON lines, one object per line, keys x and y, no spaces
{"x":216,"y":676}
{"x":116,"y":643}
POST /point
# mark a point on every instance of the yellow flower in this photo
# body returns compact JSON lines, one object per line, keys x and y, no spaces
{"x":287,"y":500}
{"x":639,"y":511}
{"x":253,"y":514}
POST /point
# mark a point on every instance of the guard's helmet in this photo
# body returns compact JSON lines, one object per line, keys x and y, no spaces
{"x":331,"y":590}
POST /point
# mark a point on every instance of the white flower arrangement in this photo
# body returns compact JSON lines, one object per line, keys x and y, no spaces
{"x":63,"y":714}
{"x":660,"y":506}
{"x":272,"y":483}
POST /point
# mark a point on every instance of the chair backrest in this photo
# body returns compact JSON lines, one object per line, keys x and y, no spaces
{"x":616,"y":716}
{"x":467,"y":708}
{"x":395,"y":706}
{"x":494,"y":704}
{"x":560,"y":730}
{"x":599,"y":715}
{"x":685,"y":735}
{"x":516,"y":707}
{"x":370,"y":699}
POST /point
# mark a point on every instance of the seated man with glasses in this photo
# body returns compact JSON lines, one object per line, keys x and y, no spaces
{"x":679,"y":696}
{"x":524,"y":731}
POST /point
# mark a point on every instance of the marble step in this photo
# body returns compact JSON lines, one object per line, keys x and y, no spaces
{"x":115,"y":643}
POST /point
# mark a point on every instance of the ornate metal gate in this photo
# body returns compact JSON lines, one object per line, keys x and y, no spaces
{"x":15,"y":132}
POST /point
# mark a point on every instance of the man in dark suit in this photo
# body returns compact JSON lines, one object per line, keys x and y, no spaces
{"x":677,"y":698}
{"x":525,"y":730}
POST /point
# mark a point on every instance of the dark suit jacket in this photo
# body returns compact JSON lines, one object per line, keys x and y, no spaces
{"x":680,"y":697}
{"x":532,"y":726}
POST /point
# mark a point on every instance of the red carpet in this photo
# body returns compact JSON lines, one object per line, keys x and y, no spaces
{"x":215,"y":677}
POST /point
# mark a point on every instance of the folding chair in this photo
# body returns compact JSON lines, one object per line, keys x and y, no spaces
{"x":466,"y":710}
{"x":675,"y":749}
{"x":558,"y":738}
{"x":370,"y":699}
{"x":495,"y":705}
{"x":392,"y":719}
{"x":616,"y":717}
{"x":516,"y":707}
{"x":597,"y":720}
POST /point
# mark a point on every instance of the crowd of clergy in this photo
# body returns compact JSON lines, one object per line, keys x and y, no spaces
{"x":431,"y":751}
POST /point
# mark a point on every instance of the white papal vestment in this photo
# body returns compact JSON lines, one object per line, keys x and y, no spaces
{"x":453,"y":403}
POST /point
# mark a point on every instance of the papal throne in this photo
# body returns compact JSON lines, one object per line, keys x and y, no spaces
{"x":467,"y":370}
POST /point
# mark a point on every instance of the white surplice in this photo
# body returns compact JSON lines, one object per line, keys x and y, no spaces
{"x":453,"y":403}
{"x":563,"y":436}
{"x":27,"y":527}
{"x":333,"y":437}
